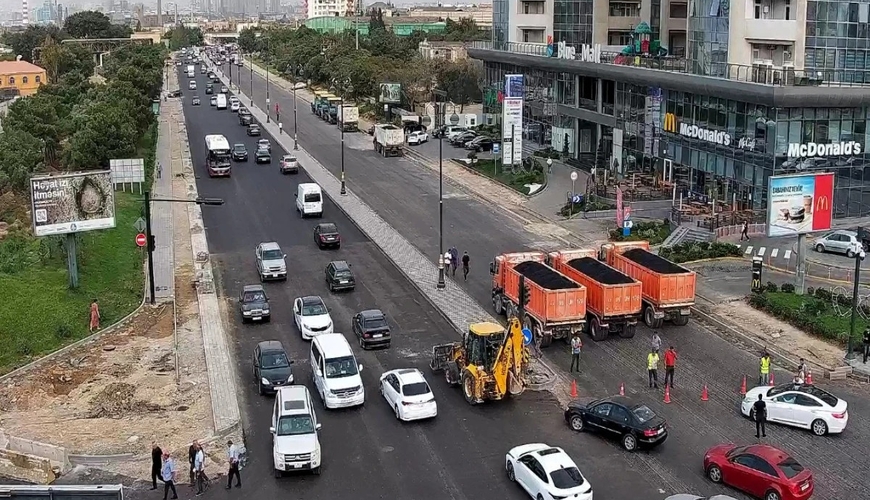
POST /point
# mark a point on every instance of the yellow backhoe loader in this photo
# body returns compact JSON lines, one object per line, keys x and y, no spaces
{"x":490,"y":361}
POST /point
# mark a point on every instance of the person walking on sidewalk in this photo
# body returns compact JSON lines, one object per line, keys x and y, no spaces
{"x":233,"y":456}
{"x":465,"y":260}
{"x":454,"y":260}
{"x":866,"y":344}
{"x":652,"y":367}
{"x":744,"y":231}
{"x":191,"y":459}
{"x":156,"y":463}
{"x":447,"y":262}
{"x":168,"y":473}
{"x":759,"y":410}
{"x":764,"y":369}
{"x":95,"y":316}
{"x":656,"y":342}
{"x":576,"y":347}
{"x":670,"y":364}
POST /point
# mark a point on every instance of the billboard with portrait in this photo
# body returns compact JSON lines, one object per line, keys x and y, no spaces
{"x":800,"y":203}
{"x":390,"y":93}
{"x":72,"y":203}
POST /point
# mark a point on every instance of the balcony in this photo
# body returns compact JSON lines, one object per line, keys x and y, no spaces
{"x":773,"y":30}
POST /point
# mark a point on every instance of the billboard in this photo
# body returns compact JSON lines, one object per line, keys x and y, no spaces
{"x":390,"y":93}
{"x":63,"y":204}
{"x":800,"y":204}
{"x":512,"y":120}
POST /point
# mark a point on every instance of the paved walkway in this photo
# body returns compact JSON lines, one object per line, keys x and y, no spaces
{"x":161,"y":212}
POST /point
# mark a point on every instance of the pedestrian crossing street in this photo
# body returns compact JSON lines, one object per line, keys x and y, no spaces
{"x":750,"y":251}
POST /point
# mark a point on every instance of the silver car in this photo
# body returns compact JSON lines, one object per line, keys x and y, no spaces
{"x":843,"y":242}
{"x":271,"y":262}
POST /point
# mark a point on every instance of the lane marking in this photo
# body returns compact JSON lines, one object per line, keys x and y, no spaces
{"x":761,"y":251}
{"x":787,"y":255}
{"x":774,"y":253}
{"x":748,"y":250}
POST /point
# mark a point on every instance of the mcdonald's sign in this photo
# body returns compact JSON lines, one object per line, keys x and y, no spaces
{"x":670,"y":124}
{"x":800,"y":204}
{"x":822,"y":204}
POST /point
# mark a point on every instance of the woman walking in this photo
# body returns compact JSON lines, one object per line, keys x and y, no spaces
{"x":95,"y":316}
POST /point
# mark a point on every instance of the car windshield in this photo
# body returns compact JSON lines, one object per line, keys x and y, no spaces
{"x":274,"y":360}
{"x":273,"y":255}
{"x":567,"y":478}
{"x":376,"y":323}
{"x":643,"y":414}
{"x":328,"y":228}
{"x":341,"y":367}
{"x":254,"y":296}
{"x":313,"y":309}
{"x":343,"y":274}
{"x":790,"y":467}
{"x":262,"y":151}
{"x":416,"y":389}
{"x":239,"y":147}
{"x":312,"y":198}
{"x":294,"y":425}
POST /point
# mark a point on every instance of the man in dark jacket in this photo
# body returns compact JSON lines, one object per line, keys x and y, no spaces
{"x":760,"y":410}
{"x":156,"y":464}
{"x":191,"y":458}
{"x":866,"y":344}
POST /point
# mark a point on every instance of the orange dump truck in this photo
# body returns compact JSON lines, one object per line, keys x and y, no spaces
{"x":668,"y":289}
{"x":555,"y":305}
{"x":613,"y":299}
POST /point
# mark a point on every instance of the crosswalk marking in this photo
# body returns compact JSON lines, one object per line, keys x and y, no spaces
{"x":787,"y":255}
{"x":748,"y":250}
{"x":774,"y":253}
{"x":739,"y":247}
{"x":761,"y":251}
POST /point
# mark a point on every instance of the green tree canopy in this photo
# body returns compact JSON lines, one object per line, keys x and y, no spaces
{"x":93,"y":24}
{"x":181,"y":36}
{"x":22,"y":43}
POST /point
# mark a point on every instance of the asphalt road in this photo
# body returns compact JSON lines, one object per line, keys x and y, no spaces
{"x":367,"y":454}
{"x":405,"y":195}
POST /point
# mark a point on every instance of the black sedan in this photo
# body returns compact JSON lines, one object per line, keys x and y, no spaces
{"x":254,"y":130}
{"x":326,"y":235}
{"x":480,"y":144}
{"x":371,"y":329}
{"x":635,"y":424}
{"x":240,"y":152}
{"x":263,"y":156}
{"x":461,"y":139}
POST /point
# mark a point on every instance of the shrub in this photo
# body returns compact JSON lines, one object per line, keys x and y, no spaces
{"x":811,"y":291}
{"x":653,"y":231}
{"x":771,"y":287}
{"x":691,"y":251}
{"x":787,"y":288}
{"x":810,"y":313}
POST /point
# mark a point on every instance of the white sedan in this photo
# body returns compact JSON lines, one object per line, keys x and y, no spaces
{"x":800,"y":405}
{"x":234,"y":106}
{"x":546,"y":472}
{"x":417,"y":138}
{"x":408,"y":394}
{"x":312,"y":317}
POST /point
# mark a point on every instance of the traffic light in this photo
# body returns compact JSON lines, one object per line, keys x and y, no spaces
{"x":756,"y":273}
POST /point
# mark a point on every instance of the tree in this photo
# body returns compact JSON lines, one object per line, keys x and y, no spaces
{"x":92,"y":24}
{"x":249,"y":41}
{"x":104,"y":131}
{"x":464,"y":30}
{"x":21,"y":155}
{"x":460,"y":80}
{"x":181,"y":36}
{"x":23,"y":43}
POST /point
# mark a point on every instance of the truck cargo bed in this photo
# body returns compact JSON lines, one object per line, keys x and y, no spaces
{"x":600,"y":272}
{"x":545,"y":276}
{"x":653,"y":262}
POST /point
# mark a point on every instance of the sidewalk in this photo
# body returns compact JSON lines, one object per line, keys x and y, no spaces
{"x":161,"y":212}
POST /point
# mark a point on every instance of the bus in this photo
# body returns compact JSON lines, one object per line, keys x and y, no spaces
{"x":217,"y":156}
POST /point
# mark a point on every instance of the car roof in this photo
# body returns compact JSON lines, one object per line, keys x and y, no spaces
{"x":289,"y":157}
{"x":327,"y":224}
{"x":253,"y":288}
{"x":553,"y":458}
{"x":238,"y":144}
{"x":767,"y":452}
{"x":270,"y":245}
{"x":333,"y":344}
{"x":409,"y":376}
{"x":621,"y":400}
{"x":311,"y":300}
{"x":371,"y":314}
{"x":340,"y":264}
{"x":271,"y":345}
{"x":294,"y":400}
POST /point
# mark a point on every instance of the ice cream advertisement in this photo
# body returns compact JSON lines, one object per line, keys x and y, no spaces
{"x":800,"y":204}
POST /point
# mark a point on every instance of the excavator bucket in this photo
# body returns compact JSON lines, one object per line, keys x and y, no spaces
{"x":441,"y":355}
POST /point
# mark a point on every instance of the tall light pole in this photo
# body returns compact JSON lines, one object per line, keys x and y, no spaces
{"x":439,"y":121}
{"x":295,"y":116}
{"x":341,"y":128}
{"x":251,"y":63}
{"x":859,"y":257}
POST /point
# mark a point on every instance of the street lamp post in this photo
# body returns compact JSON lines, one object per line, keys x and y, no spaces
{"x":149,"y":237}
{"x":251,"y":63}
{"x":439,"y":121}
{"x":295,"y":122}
{"x":859,"y":257}
{"x":343,"y":184}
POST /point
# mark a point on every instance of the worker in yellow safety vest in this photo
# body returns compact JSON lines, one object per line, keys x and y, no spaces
{"x":652,"y":366}
{"x":764,"y":369}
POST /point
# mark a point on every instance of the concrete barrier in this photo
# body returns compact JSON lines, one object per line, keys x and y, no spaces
{"x":30,"y":460}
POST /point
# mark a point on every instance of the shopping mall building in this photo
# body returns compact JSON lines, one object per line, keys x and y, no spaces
{"x":716,"y":96}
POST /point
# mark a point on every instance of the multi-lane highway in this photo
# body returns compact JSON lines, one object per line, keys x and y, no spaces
{"x":367,"y":453}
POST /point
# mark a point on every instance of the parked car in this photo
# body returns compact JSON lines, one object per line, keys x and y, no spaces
{"x":245,"y":118}
{"x":635,"y":424}
{"x":271,"y":261}
{"x":174,"y":93}
{"x":371,"y":329}
{"x":272,"y":367}
{"x":195,"y":100}
{"x":202,"y":70}
{"x":759,"y":470}
{"x":212,"y":101}
{"x":289,"y":164}
{"x":339,"y":276}
{"x":460,"y":139}
{"x":254,"y":304}
{"x":408,"y":394}
{"x":326,"y":235}
{"x":800,"y":405}
{"x":262,"y":156}
{"x":480,"y":144}
{"x":235,"y":106}
{"x":452,"y":131}
{"x":191,"y":85}
{"x":416,"y":138}
{"x":240,"y":152}
{"x":546,"y":471}
{"x":254,"y":130}
{"x":842,"y":241}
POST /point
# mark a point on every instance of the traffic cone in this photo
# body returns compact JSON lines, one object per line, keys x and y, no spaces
{"x":574,"y":389}
{"x":622,"y":389}
{"x":771,"y":379}
{"x":667,"y":394}
{"x":704,"y":395}
{"x":743,"y":387}
{"x":809,"y":380}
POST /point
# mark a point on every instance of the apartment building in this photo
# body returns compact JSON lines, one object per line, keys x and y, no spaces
{"x":330,"y":8}
{"x":480,"y":14}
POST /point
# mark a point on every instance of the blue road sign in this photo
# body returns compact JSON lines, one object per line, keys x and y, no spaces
{"x":527,"y":336}
{"x":626,"y":231}
{"x":577,"y":198}
{"x":496,"y":147}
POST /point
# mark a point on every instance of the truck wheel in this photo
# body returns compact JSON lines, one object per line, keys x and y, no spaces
{"x":546,"y":340}
{"x":681,"y":320}
{"x":468,"y":388}
{"x":595,"y":331}
{"x":627,"y":331}
{"x":498,"y":304}
{"x":650,"y":319}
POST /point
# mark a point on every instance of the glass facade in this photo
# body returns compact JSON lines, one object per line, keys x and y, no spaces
{"x":572,"y":21}
{"x":838,"y":39}
{"x":727,"y":151}
{"x":708,"y":37}
{"x":500,"y":22}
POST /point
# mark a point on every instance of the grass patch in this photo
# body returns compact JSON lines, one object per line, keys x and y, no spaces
{"x":655,"y":232}
{"x":516,"y":181}
{"x":40,"y":314}
{"x":814,"y":312}
{"x":592,"y":204}
{"x":699,"y":250}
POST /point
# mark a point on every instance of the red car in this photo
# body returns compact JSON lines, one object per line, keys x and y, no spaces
{"x":759,"y":470}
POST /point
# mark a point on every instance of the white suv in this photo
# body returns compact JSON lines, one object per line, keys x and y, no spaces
{"x":295,"y":445}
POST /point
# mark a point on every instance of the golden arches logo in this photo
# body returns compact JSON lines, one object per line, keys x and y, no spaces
{"x":670,"y":123}
{"x":823,"y":203}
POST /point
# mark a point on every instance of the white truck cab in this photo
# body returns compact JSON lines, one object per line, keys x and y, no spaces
{"x":295,"y":444}
{"x":335,"y":371}
{"x":309,"y":200}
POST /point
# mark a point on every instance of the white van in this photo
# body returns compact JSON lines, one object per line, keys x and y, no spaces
{"x":309,"y":200}
{"x":335,"y":371}
{"x":295,"y":445}
{"x":221,"y":101}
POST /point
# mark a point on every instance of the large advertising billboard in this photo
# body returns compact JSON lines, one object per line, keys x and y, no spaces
{"x":800,"y":204}
{"x":63,"y":204}
{"x":512,"y":120}
{"x":390,"y":93}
